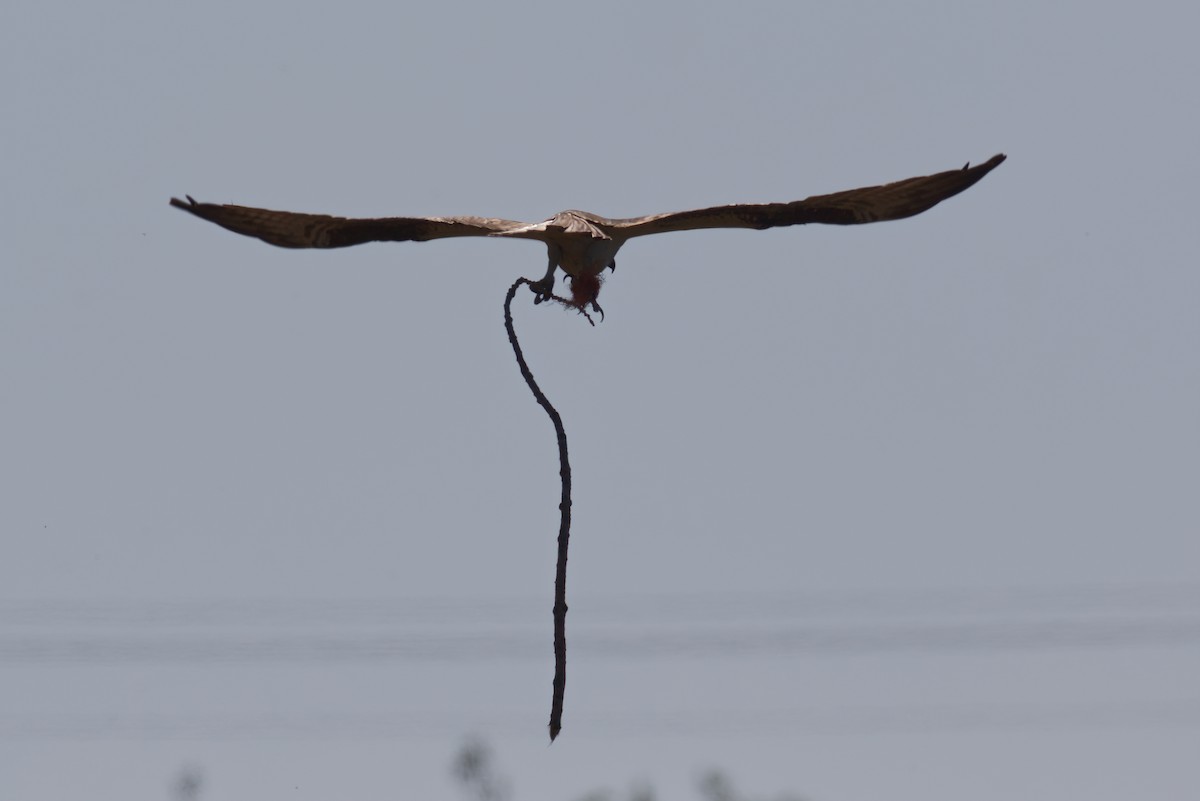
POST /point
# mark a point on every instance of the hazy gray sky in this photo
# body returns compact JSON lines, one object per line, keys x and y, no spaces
{"x":896,"y":511}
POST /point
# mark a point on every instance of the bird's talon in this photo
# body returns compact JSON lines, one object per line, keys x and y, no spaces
{"x":542,"y":290}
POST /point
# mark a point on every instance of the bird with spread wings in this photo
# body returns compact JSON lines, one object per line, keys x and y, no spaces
{"x":584,"y":244}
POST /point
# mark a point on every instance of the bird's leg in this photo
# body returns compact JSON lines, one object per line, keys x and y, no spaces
{"x":595,"y":306}
{"x":544,"y":289}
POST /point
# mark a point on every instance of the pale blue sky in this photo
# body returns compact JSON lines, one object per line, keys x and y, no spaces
{"x":291,"y":515}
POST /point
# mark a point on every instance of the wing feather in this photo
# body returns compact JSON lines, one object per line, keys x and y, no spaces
{"x":289,"y":229}
{"x":892,"y":201}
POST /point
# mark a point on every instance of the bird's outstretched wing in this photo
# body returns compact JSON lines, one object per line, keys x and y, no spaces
{"x":289,"y":229}
{"x":870,"y":204}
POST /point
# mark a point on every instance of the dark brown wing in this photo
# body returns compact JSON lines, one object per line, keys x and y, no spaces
{"x":289,"y":229}
{"x":869,"y":204}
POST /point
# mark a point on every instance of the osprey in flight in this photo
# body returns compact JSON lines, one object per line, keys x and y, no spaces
{"x":583,"y":244}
